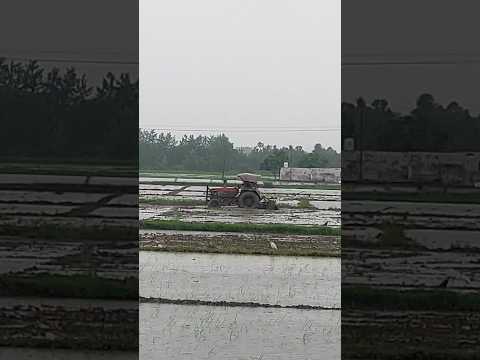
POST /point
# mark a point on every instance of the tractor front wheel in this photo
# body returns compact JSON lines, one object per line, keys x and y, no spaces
{"x":248,"y":200}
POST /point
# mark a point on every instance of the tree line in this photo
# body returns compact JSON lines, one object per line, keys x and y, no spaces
{"x":428,"y":127}
{"x":163,"y":151}
{"x":56,"y":114}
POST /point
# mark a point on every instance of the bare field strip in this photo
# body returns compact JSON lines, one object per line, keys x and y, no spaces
{"x":239,"y":243}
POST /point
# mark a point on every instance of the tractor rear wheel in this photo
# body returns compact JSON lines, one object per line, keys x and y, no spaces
{"x":214,"y":203}
{"x":249,"y":200}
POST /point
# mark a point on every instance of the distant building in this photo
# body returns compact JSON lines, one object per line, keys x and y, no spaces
{"x":455,"y":169}
{"x":245,"y":149}
{"x":313,"y":175}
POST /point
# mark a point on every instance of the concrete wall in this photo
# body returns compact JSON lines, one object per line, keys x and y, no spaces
{"x":461,"y":169}
{"x":315,"y":175}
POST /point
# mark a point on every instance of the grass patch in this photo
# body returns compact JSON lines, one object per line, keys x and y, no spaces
{"x":241,"y":227}
{"x":393,"y":235}
{"x":243,"y":249}
{"x":305,"y":204}
{"x":247,"y":245}
{"x":418,"y":300}
{"x":78,"y":286}
{"x":235,"y":243}
{"x":179,"y":202}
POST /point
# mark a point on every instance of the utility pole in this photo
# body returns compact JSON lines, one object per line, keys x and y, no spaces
{"x":224,"y":157}
{"x":362,"y":121}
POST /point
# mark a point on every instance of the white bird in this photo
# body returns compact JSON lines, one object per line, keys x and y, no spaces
{"x":273,"y":245}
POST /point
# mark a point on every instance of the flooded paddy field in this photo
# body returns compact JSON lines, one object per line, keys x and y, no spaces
{"x":218,"y":306}
{"x":410,"y":276}
{"x":29,"y":257}
{"x":68,"y":323}
{"x":412,"y":215}
{"x":48,"y":237}
{"x":68,"y":265}
{"x":410,"y":269}
{"x":71,"y":201}
{"x":416,"y":334}
{"x":233,"y":214}
{"x":239,"y":288}
{"x":184,"y":332}
{"x":271,"y":280}
{"x":53,"y":294}
{"x":187,"y":203}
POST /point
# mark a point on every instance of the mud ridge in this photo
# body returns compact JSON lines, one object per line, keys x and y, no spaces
{"x":232,"y":304}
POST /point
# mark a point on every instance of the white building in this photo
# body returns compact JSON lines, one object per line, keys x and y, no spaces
{"x":314,"y":175}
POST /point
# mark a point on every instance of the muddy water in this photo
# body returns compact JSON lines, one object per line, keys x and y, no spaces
{"x":184,"y":332}
{"x":240,"y":278}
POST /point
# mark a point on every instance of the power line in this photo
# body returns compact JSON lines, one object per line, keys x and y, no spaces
{"x":410,"y":62}
{"x":92,"y":51}
{"x":73,"y":61}
{"x":405,"y":54}
{"x":230,"y":127}
{"x":250,"y":130}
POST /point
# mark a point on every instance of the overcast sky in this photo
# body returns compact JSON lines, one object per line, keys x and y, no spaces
{"x":269,"y":67}
{"x":105,"y":30}
{"x":411,"y":31}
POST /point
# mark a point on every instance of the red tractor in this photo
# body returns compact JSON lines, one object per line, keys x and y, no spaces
{"x":245,"y":195}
